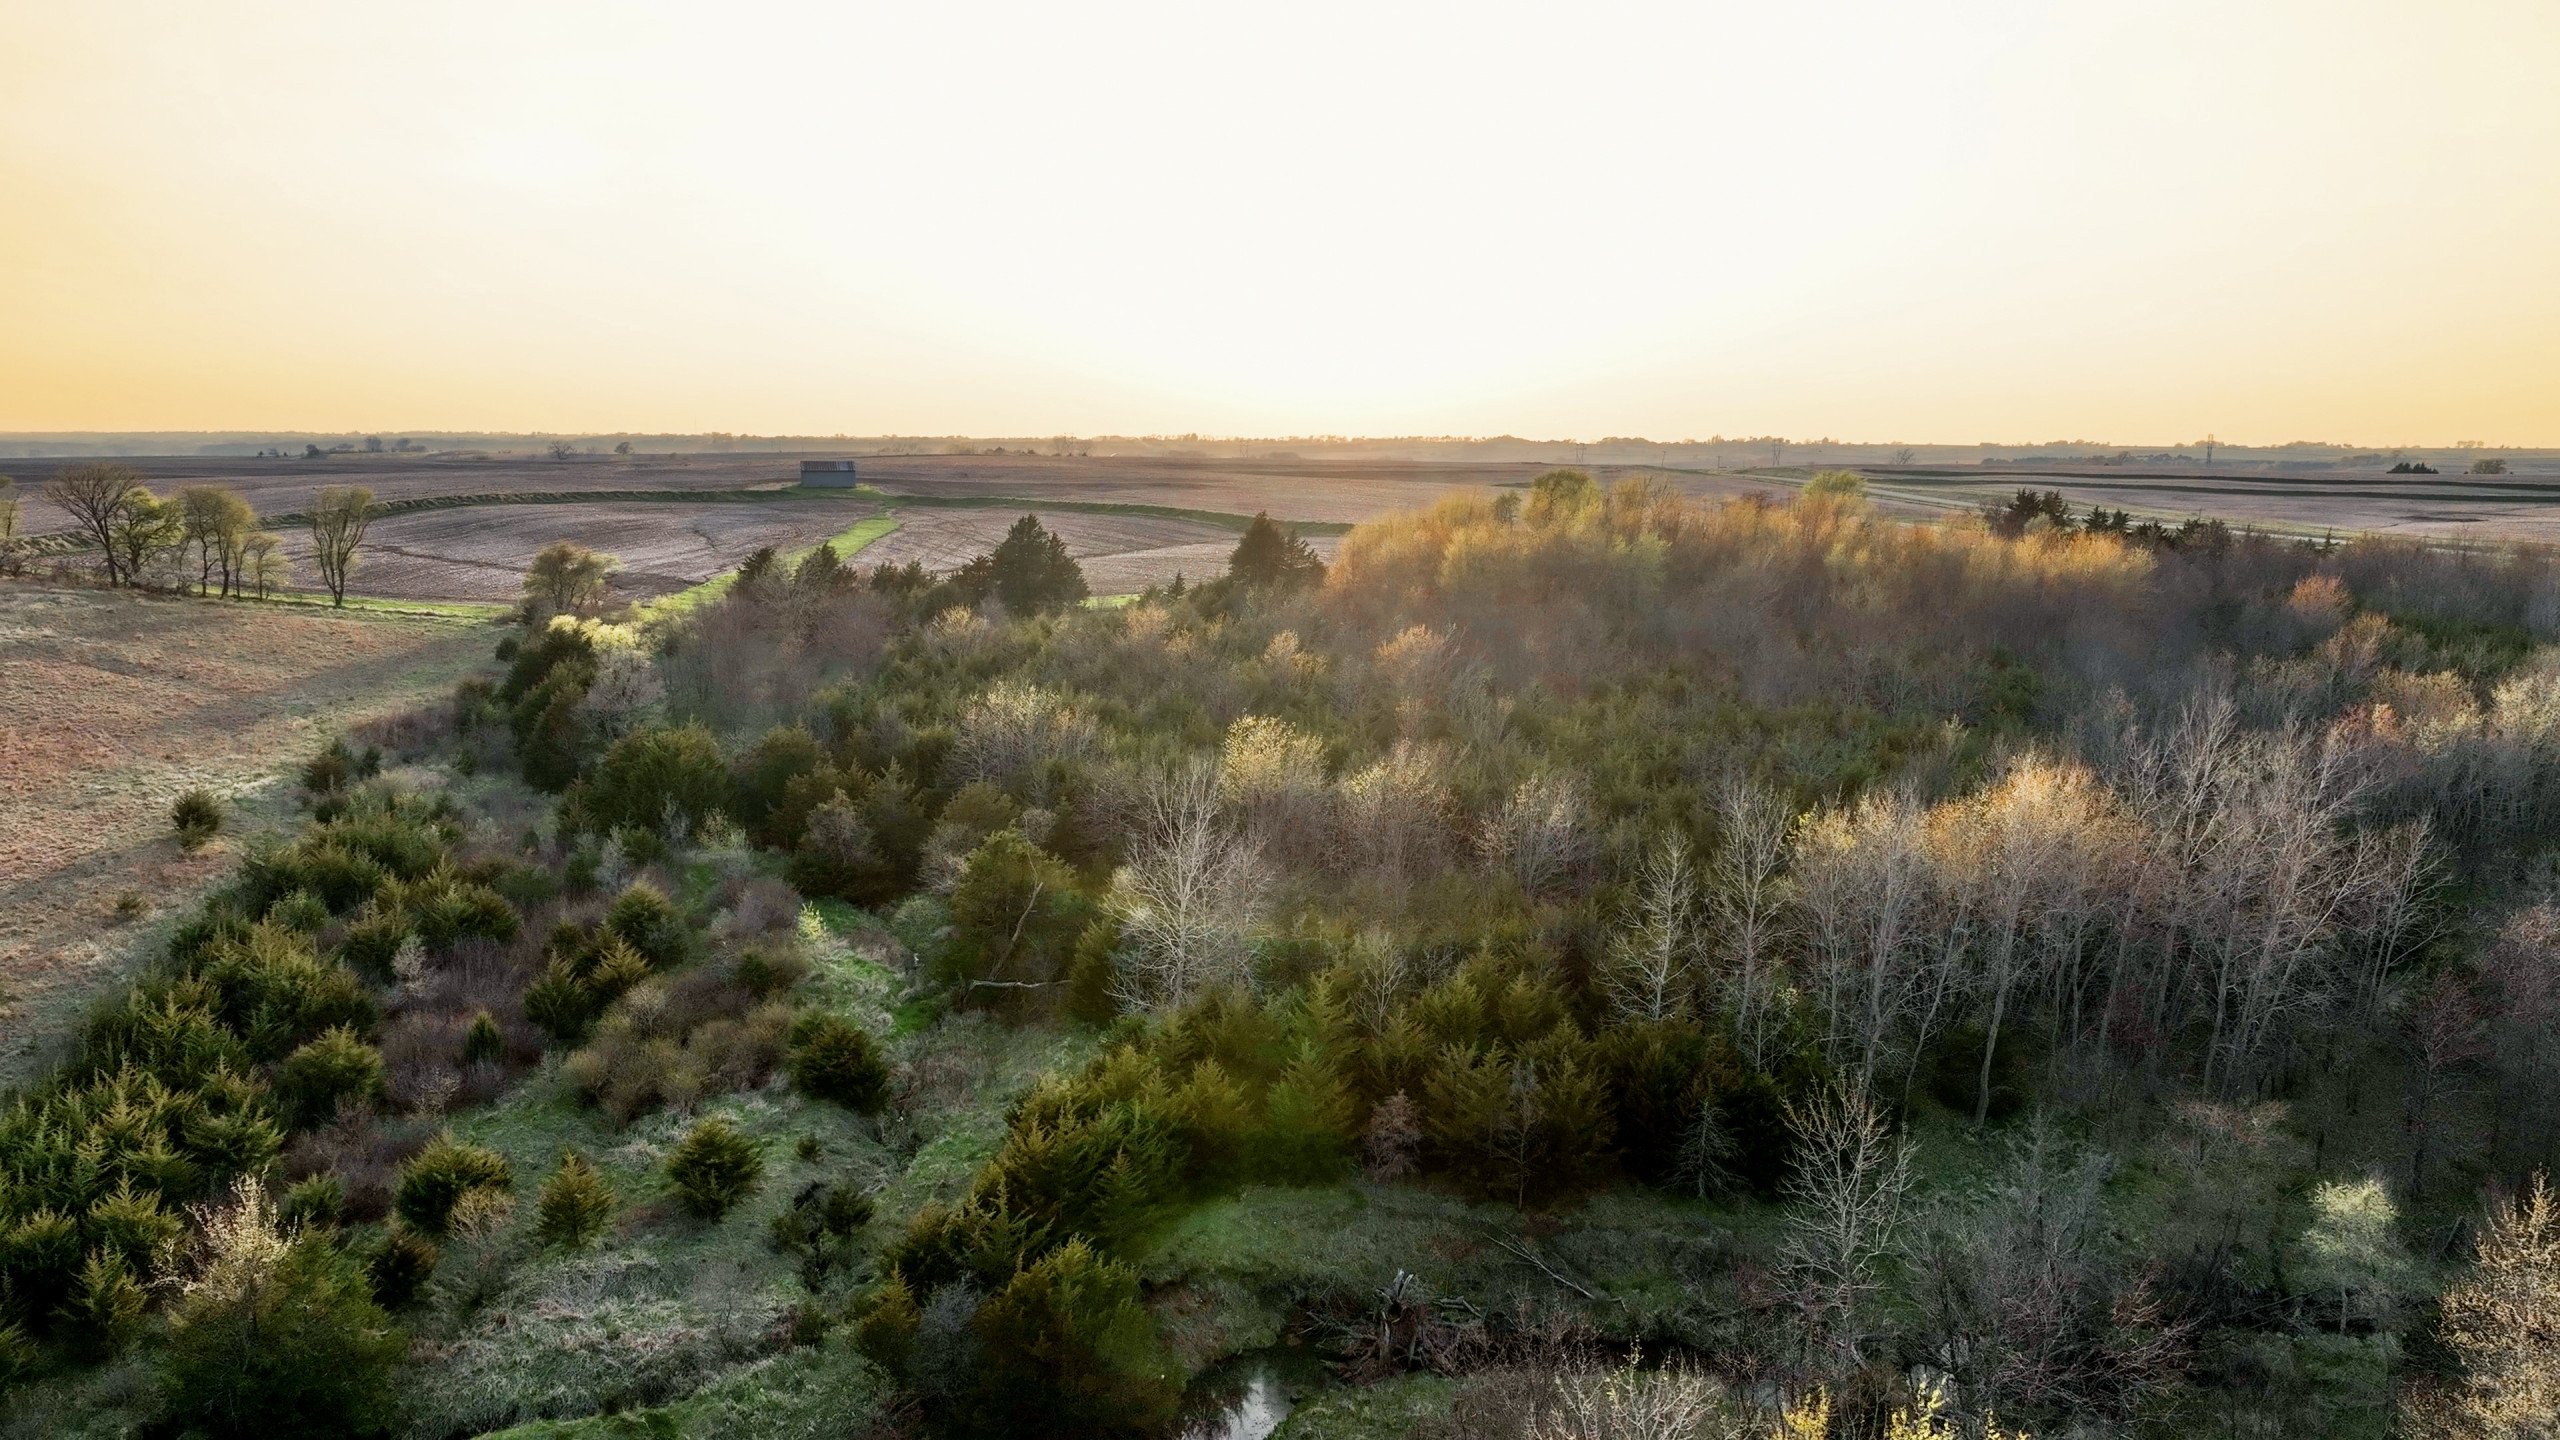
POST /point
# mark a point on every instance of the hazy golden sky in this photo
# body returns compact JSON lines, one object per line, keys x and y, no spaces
{"x":1961,"y":221}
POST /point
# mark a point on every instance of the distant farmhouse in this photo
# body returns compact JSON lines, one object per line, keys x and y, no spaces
{"x":826,"y":472}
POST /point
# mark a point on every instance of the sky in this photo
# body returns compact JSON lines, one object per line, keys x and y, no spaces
{"x":1955,"y":221}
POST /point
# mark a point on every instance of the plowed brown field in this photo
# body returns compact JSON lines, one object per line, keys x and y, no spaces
{"x":480,"y":552}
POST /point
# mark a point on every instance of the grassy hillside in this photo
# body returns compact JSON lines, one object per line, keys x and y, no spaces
{"x":1583,"y":956}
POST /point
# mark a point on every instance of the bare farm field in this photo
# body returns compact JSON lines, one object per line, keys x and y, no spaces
{"x":2496,"y":509}
{"x":1326,"y":491}
{"x":480,"y":552}
{"x":111,"y":705}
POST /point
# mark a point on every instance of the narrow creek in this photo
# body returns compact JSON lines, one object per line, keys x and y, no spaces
{"x":1247,"y":1396}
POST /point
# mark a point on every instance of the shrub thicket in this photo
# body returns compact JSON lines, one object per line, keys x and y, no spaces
{"x":279,"y":1337}
{"x":664,"y":780}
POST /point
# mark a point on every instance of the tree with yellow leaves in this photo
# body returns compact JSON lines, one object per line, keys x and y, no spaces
{"x":2503,"y":1320}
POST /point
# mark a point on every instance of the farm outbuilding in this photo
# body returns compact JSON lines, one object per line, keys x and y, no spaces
{"x":826,"y":472}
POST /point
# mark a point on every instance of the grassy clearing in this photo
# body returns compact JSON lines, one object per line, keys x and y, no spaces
{"x":676,"y":1326}
{"x":799,"y":1393}
{"x":670,"y":1305}
{"x":1374,"y":1412}
{"x":473,"y":611}
{"x":1653,"y":1264}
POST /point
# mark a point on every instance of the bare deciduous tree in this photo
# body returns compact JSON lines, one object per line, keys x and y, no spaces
{"x":340,"y":515}
{"x":95,"y":495}
{"x":1013,"y":732}
{"x":262,"y":563}
{"x":1748,"y":895}
{"x":1394,"y":813}
{"x":1847,"y":1191}
{"x":2445,"y":1037}
{"x":1272,"y":772}
{"x":218,"y":523}
{"x":626,"y":693}
{"x":1673,"y":1402}
{"x":144,"y":531}
{"x":1862,"y":878}
{"x":1189,"y":898}
{"x":2521,"y":972}
{"x":1542,"y":834}
{"x":2020,"y":1297}
{"x":1648,"y":971}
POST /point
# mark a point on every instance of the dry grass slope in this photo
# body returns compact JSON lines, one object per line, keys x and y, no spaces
{"x":110,"y":706}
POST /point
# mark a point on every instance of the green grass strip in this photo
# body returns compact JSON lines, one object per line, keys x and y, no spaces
{"x":864,"y":534}
{"x":466,"y":610}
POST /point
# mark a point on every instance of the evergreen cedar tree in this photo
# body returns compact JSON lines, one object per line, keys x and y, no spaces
{"x":1031,"y":572}
{"x":1271,"y":554}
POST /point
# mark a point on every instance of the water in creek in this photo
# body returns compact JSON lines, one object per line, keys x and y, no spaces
{"x":1246,"y":1398}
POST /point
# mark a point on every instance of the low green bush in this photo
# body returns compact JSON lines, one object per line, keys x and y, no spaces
{"x":823,"y":1230}
{"x":300,"y":911}
{"x":651,"y":776}
{"x":484,"y":1043}
{"x":766,"y":972}
{"x":645,"y":919}
{"x":373,"y":940}
{"x":197,"y":817}
{"x":436,"y":1179}
{"x":576,"y":1204}
{"x":336,"y":1069}
{"x":834,"y":1059}
{"x":399,"y":1266}
{"x":714,"y":1168}
{"x":316,"y":1202}
{"x":107,"y":1302}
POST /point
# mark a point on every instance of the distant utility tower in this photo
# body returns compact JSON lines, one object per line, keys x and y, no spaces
{"x":2209,"y":443}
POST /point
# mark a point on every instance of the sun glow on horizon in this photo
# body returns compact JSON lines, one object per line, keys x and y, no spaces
{"x":1991,"y":219}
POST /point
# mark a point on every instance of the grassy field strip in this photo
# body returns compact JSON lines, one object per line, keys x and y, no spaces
{"x":868,"y":531}
{"x":468,"y":611}
{"x":1223,"y":519}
